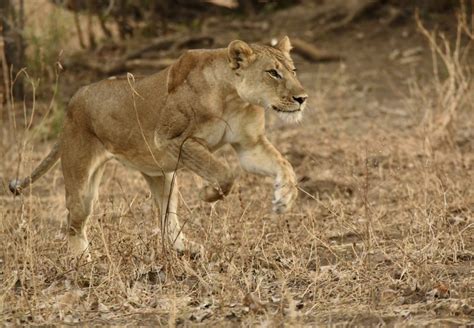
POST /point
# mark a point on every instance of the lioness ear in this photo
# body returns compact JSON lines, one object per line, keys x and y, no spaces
{"x":284,"y":45}
{"x":240,"y":54}
{"x":179,"y":71}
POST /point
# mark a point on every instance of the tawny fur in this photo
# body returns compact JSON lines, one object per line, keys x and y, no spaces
{"x":177,"y":118}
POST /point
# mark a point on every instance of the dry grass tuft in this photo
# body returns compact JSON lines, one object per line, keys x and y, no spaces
{"x":452,"y":78}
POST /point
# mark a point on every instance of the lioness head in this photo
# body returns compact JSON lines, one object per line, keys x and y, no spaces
{"x":266,"y":76}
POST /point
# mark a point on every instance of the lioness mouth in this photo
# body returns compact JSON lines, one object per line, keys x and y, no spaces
{"x":285,"y":111}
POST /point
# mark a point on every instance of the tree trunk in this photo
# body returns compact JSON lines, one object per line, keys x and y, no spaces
{"x":247,"y":7}
{"x":14,"y":48}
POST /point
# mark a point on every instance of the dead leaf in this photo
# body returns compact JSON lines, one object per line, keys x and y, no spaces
{"x":441,"y":290}
{"x":68,"y":300}
{"x":254,"y":303}
{"x":200,"y":315}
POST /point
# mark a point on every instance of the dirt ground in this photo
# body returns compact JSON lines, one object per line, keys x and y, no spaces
{"x":382,"y":233}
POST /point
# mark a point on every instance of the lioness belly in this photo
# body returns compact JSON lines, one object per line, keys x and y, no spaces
{"x":152,"y":165}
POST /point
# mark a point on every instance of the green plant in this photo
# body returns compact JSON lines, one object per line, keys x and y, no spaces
{"x":45,"y":45}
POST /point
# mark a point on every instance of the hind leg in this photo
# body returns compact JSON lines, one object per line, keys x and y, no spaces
{"x":165,"y":194}
{"x":80,"y":206}
{"x":82,"y":162}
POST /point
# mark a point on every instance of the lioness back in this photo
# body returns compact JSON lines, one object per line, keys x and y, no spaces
{"x":113,"y":109}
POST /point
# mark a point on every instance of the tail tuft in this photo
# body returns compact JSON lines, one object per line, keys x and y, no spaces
{"x":15,"y":186}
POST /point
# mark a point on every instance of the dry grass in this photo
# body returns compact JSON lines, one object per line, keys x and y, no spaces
{"x":381,"y":235}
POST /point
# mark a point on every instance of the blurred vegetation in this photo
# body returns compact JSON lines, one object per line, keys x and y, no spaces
{"x":13,"y":46}
{"x":50,"y":128}
{"x":45,"y":46}
{"x":118,"y":20}
{"x":152,"y":17}
{"x":128,"y":18}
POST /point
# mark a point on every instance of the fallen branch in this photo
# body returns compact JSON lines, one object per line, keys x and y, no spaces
{"x":172,"y":44}
{"x":310,"y":52}
{"x":157,"y":64}
{"x":325,"y":17}
{"x":352,"y":11}
{"x":169,"y":42}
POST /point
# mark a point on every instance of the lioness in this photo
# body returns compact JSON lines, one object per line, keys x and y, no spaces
{"x":177,"y":118}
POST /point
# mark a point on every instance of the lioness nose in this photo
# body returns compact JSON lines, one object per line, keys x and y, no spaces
{"x":300,"y":99}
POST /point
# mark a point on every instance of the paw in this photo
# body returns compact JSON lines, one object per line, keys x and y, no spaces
{"x":185,"y":246}
{"x":15,"y":187}
{"x":285,"y":194}
{"x":210,"y":194}
{"x":79,"y":248}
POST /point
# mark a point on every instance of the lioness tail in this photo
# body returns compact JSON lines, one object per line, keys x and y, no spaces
{"x":18,"y":185}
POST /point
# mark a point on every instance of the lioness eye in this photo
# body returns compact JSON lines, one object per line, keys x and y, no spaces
{"x":274,"y":73}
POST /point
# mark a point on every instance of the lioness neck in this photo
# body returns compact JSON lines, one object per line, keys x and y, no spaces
{"x":206,"y":77}
{"x":216,"y":69}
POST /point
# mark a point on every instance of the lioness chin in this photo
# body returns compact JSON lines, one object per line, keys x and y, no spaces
{"x":177,"y":118}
